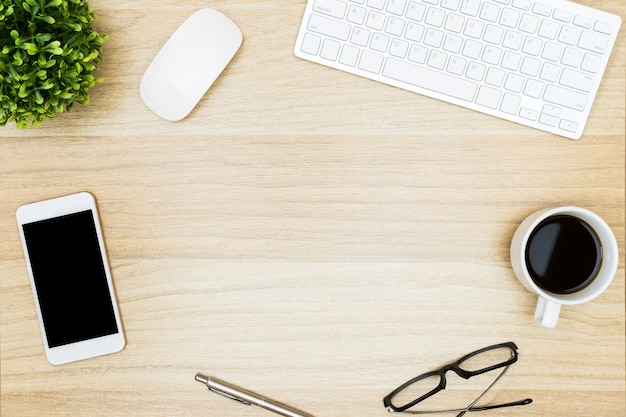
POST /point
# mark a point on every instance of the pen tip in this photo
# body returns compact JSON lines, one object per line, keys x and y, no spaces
{"x":202,"y":378}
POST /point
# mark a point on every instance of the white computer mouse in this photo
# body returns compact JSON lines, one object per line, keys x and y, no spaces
{"x":188,"y":64}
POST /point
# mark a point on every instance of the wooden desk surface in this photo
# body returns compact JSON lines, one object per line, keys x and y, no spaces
{"x":307,"y":234}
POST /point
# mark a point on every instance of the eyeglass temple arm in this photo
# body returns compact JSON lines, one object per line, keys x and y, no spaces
{"x":491,"y":407}
{"x":471,"y":407}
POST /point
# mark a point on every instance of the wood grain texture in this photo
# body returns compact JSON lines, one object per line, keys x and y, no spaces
{"x":307,"y":234}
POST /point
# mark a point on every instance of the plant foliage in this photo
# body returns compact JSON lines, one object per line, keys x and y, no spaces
{"x":48,"y":53}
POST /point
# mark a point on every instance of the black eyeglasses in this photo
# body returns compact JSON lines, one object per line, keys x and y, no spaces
{"x":426,"y":385}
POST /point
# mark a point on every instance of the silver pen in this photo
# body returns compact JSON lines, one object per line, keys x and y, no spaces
{"x":247,"y":397}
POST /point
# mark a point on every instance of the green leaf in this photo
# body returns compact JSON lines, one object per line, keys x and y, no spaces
{"x":48,"y":19}
{"x":14,"y":75}
{"x":31,"y":48}
{"x":43,"y":37}
{"x":51,"y":63}
{"x":38,"y":98}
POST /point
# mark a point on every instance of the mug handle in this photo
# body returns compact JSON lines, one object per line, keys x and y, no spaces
{"x":547,"y":313}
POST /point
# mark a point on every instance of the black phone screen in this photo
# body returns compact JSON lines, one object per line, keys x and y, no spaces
{"x":70,"y":279}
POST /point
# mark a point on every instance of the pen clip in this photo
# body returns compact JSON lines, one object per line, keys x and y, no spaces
{"x":229,"y":396}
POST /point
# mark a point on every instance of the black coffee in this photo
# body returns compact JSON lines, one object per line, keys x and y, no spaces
{"x":563,"y":254}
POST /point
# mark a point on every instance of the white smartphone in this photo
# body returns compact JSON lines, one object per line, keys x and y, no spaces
{"x":70,"y":278}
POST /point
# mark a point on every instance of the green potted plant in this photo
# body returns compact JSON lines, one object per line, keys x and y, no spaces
{"x":48,"y":54}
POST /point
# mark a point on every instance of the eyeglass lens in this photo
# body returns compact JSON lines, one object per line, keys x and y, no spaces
{"x":487,"y":358}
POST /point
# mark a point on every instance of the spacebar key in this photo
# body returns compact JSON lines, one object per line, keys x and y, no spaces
{"x":430,"y":80}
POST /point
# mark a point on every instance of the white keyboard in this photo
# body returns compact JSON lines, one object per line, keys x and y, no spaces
{"x":534,"y":62}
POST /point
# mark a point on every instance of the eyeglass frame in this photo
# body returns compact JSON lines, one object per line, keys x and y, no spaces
{"x":441,"y":372}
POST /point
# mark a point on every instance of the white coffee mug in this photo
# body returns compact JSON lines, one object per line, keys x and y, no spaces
{"x":549,"y":303}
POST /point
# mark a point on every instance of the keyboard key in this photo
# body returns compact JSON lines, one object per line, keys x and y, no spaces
{"x":476,"y":71}
{"x":495,"y":77}
{"x":568,"y":125}
{"x":450,"y":4}
{"x":510,"y":103}
{"x":334,"y":8}
{"x":356,"y":14}
{"x":514,"y":82}
{"x":552,"y":51}
{"x":472,"y":49}
{"x":550,"y":72}
{"x":470,"y":7}
{"x":532,"y":46}
{"x":453,"y":44}
{"x":375,"y":20}
{"x":311,"y":44}
{"x":371,"y":62}
{"x":491,"y":55}
{"x":521,"y":4}
{"x":565,"y":98}
{"x":528,"y":114}
{"x":509,"y":18}
{"x":569,"y":35}
{"x":360,"y":36}
{"x":572,"y":57}
{"x":591,"y":63}
{"x":551,"y":110}
{"x":435,"y":17}
{"x":474,"y":28}
{"x":490,"y":12}
{"x":513,"y":40}
{"x":433,"y":37}
{"x":493,"y":34}
{"x":349,"y":55}
{"x":603,"y":27}
{"x":396,"y":7}
{"x":454,"y":23}
{"x":548,"y":120}
{"x":416,"y":11}
{"x":377,"y":4}
{"x":548,"y":29}
{"x":437,"y":59}
{"x":530,"y":67}
{"x":529,"y":23}
{"x":430,"y":79}
{"x":418,"y":54}
{"x":562,"y":15}
{"x":330,"y":49}
{"x":593,"y":42}
{"x":511,"y":61}
{"x":399,"y":48}
{"x":414,"y":32}
{"x":456,"y":65}
{"x":488,"y":97}
{"x":542,"y":9}
{"x":395,"y":26}
{"x":379,"y":42}
{"x":329,"y":27}
{"x":533,"y":88}
{"x":577,"y":80}
{"x":583,"y":21}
